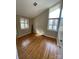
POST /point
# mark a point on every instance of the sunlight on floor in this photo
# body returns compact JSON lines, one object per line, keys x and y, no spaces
{"x":38,"y":35}
{"x":39,"y":32}
{"x":25,"y":43}
{"x":51,"y":46}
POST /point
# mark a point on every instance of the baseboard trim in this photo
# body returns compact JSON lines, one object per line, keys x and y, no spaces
{"x":21,"y":35}
{"x":50,"y":36}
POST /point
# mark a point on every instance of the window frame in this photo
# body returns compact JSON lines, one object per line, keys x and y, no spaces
{"x":53,"y":18}
{"x":24,"y":19}
{"x":52,"y":24}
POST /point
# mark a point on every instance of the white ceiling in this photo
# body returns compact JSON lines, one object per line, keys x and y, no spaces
{"x":26,"y":7}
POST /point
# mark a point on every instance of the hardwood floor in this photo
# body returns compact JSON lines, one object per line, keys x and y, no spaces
{"x":37,"y":47}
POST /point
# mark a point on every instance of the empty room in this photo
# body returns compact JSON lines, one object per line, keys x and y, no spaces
{"x":39,"y":29}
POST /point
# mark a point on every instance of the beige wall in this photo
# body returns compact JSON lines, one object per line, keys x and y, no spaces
{"x":19,"y":30}
{"x":41,"y":23}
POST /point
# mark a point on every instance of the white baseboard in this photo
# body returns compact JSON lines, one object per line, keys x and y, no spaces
{"x":59,"y":44}
{"x":22,"y":35}
{"x":50,"y":36}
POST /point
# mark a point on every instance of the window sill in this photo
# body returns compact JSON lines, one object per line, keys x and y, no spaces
{"x":52,"y":30}
{"x":25,"y":29}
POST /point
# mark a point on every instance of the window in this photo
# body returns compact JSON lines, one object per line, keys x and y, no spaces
{"x":53,"y":18}
{"x":54,"y":13}
{"x":24,"y":23}
{"x":52,"y":24}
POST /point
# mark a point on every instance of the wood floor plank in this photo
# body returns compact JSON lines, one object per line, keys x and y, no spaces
{"x":37,"y":47}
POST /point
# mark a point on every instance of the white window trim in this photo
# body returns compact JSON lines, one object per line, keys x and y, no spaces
{"x":24,"y":19}
{"x":50,"y":10}
{"x":52,"y":25}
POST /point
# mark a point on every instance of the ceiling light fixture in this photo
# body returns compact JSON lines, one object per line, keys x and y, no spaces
{"x":35,"y":3}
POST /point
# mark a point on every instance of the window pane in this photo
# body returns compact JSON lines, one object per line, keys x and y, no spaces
{"x":50,"y":22}
{"x":50,"y":27}
{"x":21,"y":20}
{"x":54,"y":28}
{"x":26,"y":21}
{"x":55,"y":22}
{"x":55,"y":25}
{"x":26,"y":26}
{"x":22,"y":26}
{"x":55,"y":13}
